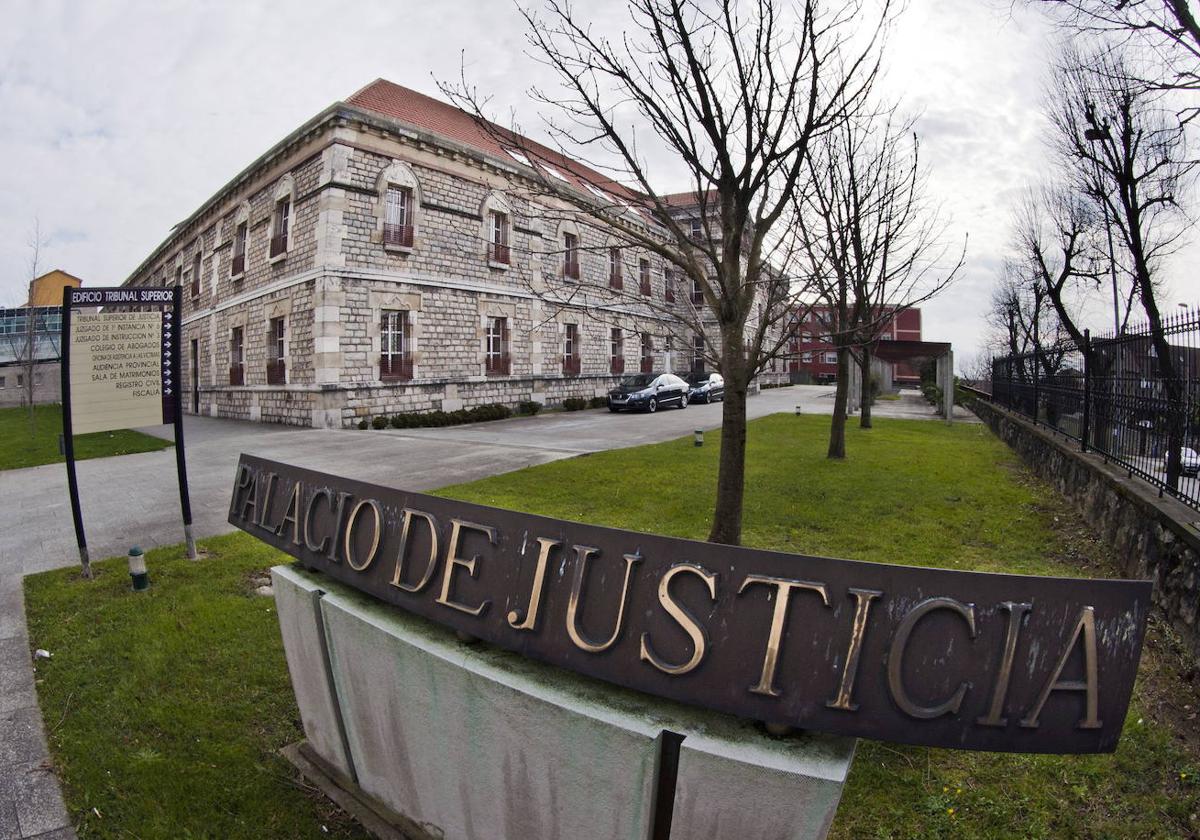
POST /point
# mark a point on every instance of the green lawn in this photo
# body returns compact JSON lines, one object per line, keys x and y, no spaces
{"x":19,"y":449}
{"x":165,"y":709}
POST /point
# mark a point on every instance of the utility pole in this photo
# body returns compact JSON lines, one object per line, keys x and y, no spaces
{"x":1099,"y":134}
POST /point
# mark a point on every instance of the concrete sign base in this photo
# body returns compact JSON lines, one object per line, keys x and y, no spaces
{"x":461,"y":740}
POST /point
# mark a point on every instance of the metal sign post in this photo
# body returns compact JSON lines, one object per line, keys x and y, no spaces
{"x":120,"y":370}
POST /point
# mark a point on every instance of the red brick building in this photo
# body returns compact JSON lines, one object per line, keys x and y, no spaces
{"x":811,"y":352}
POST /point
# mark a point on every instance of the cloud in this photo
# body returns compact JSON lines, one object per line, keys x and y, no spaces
{"x":123,"y":117}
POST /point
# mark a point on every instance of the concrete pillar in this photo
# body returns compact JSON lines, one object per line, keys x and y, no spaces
{"x":945,"y":370}
{"x":854,"y":396}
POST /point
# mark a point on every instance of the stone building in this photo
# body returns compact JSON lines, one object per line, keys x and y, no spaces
{"x":390,"y":255}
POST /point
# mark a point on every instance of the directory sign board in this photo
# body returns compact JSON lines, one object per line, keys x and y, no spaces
{"x":123,"y":363}
{"x":948,"y":658}
{"x":120,"y":369}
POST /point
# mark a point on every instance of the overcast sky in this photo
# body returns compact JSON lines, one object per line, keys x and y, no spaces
{"x":121,"y":118}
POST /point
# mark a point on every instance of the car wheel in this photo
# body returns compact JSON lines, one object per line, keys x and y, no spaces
{"x":613,"y":409}
{"x":652,"y":406}
{"x":683,"y":401}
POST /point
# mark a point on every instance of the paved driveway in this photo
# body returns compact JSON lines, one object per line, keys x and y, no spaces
{"x":133,"y":499}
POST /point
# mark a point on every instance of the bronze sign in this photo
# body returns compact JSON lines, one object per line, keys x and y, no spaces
{"x":896,"y":653}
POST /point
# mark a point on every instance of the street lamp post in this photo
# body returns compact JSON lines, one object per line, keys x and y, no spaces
{"x":1100,"y":134}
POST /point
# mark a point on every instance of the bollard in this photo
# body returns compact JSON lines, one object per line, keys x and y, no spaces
{"x":137,"y":570}
{"x":797,"y":411}
{"x":698,"y":437}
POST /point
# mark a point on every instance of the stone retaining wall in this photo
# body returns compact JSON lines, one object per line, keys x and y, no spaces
{"x":1158,"y":538}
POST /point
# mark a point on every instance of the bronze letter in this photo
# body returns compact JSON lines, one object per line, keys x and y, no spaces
{"x":895,"y":666}
{"x":348,"y":542}
{"x":337,"y":525}
{"x":545,"y":545}
{"x":245,"y":479}
{"x":1091,"y":683}
{"x":292,"y":514}
{"x":683,"y":618}
{"x":431,"y":564}
{"x":265,"y":501}
{"x":862,"y":607}
{"x":783,"y":596}
{"x":250,"y":499}
{"x":326,"y":494}
{"x":1000,"y":692}
{"x":582,"y":553}
{"x":452,"y":560}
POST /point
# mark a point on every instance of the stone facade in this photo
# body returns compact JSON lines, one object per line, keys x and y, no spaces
{"x":1159,"y":538}
{"x":336,"y":273}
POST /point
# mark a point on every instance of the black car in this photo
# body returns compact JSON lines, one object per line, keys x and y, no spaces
{"x":648,"y":392}
{"x":705,"y":387}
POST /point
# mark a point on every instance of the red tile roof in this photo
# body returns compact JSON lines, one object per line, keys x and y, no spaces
{"x":441,"y":118}
{"x":685,"y":199}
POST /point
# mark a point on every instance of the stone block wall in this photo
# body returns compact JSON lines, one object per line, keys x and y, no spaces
{"x":47,"y":384}
{"x":1159,"y":538}
{"x":338,"y":275}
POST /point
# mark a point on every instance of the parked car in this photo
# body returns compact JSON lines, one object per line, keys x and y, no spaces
{"x":705,"y":387}
{"x":1189,"y":462}
{"x":648,"y":392}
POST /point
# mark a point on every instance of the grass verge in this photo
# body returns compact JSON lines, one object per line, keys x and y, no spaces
{"x":920,"y":493}
{"x":165,"y":709}
{"x":18,"y":448}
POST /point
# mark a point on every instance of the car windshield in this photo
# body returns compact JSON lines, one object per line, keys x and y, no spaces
{"x":697,"y":378}
{"x":640,"y":380}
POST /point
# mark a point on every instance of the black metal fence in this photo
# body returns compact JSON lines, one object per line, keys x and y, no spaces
{"x":1118,"y":397}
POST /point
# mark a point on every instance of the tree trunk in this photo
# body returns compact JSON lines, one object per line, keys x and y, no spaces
{"x":864,"y":412}
{"x":731,"y":473}
{"x":837,"y":427}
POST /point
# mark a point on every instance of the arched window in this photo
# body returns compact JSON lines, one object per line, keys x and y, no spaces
{"x":568,"y":242}
{"x":616,"y":267}
{"x":281,"y":218}
{"x":241,"y":241}
{"x":497,"y":216}
{"x":399,"y":206}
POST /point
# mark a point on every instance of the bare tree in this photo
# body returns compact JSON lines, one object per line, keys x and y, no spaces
{"x":1056,"y":257}
{"x":1021,"y":315}
{"x":1128,"y":154}
{"x":1165,"y":32}
{"x":29,"y":352}
{"x":871,"y":240}
{"x":734,"y":94}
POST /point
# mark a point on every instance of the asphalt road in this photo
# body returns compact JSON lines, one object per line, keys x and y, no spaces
{"x":133,"y":500}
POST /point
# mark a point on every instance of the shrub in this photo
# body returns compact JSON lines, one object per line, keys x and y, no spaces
{"x":478,"y":414}
{"x":379,"y":422}
{"x":598,"y":402}
{"x":528,"y":407}
{"x":362,"y":424}
{"x":574,"y":403}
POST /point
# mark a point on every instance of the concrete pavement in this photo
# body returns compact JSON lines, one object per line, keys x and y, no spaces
{"x":133,"y":500}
